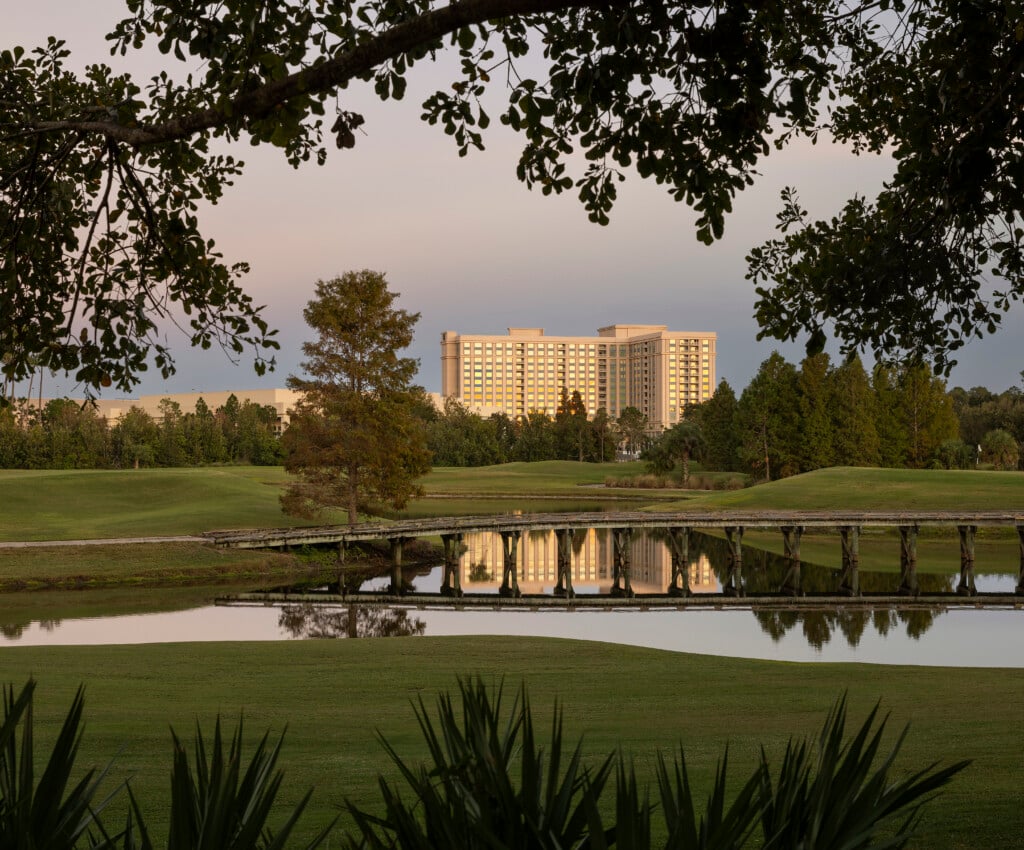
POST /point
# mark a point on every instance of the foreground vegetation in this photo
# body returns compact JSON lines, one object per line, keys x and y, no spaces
{"x":334,"y":695}
{"x":489,"y":781}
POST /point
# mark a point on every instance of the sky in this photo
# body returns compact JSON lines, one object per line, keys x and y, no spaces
{"x":470,"y":248}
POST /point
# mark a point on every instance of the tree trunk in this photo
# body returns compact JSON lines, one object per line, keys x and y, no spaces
{"x":767,"y":466}
{"x":353,"y":496}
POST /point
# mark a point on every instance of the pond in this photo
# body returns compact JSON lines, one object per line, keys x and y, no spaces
{"x":956,"y":634}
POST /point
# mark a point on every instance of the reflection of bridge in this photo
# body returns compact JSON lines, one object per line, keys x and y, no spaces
{"x":676,"y":528}
{"x":481,"y":564}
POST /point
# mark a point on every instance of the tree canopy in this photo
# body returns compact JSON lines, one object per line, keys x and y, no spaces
{"x":102,"y":175}
{"x":355,"y":438}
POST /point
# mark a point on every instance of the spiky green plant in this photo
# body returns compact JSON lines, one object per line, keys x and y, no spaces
{"x":471,"y":794}
{"x":48,"y":811}
{"x":490,"y":785}
{"x":718,"y":826}
{"x":832,"y":796}
{"x":218,"y":804}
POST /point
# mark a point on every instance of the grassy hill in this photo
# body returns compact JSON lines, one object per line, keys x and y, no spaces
{"x":867,"y":489}
{"x":73,"y":504}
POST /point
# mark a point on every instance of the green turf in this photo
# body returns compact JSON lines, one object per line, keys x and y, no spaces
{"x":61,"y":505}
{"x":559,"y":477}
{"x":863,"y":489}
{"x":66,"y":505}
{"x":97,"y":566}
{"x":333,"y":695}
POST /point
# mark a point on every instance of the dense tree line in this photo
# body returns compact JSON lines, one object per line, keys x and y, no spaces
{"x":793,"y":419}
{"x":67,"y":435}
{"x":458,"y":437}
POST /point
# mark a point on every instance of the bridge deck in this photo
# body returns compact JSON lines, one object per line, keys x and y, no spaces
{"x":641,"y":602}
{"x":284,"y":537}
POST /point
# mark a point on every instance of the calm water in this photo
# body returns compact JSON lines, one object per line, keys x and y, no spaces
{"x":955,"y":636}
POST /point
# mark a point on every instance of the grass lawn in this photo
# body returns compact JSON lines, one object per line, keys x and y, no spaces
{"x":864,"y":489}
{"x":166,"y":564}
{"x":550,"y":477}
{"x":334,"y":695}
{"x":83,"y":504}
{"x":64,"y":505}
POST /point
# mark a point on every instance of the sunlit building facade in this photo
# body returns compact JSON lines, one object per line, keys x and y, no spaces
{"x":648,"y":367}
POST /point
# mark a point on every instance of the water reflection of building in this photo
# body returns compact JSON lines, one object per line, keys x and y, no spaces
{"x":592,"y":558}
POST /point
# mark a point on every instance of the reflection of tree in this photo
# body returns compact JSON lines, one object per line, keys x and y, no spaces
{"x":13,"y":631}
{"x":479,"y":572}
{"x":817,"y":628}
{"x":820,"y":624}
{"x":319,"y":621}
{"x":776,"y":623}
{"x":918,"y":621}
{"x":765,"y":572}
{"x":852,"y":622}
{"x":883,"y":620}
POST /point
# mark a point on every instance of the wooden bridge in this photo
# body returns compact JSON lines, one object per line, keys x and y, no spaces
{"x":677,"y":528}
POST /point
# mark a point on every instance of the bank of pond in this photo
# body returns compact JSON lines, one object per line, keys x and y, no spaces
{"x":955,"y":632}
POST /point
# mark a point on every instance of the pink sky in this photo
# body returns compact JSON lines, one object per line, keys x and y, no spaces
{"x":472,"y":249}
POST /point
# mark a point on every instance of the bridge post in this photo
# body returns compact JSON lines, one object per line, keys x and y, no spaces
{"x":734,"y":582}
{"x":966,"y":586}
{"x":908,"y":561}
{"x":397,"y":544}
{"x":849,"y":579}
{"x":563,"y":538}
{"x":679,"y":549}
{"x":451,"y":582}
{"x":621,"y":538}
{"x":791,"y":584}
{"x":1020,"y":578}
{"x":340,"y":561}
{"x":510,"y":573}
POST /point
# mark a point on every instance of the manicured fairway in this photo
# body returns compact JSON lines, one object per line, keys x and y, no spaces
{"x":560,"y":477}
{"x":868,"y":489}
{"x":64,"y":505}
{"x":165,"y":564}
{"x":333,"y":695}
{"x":74,"y":504}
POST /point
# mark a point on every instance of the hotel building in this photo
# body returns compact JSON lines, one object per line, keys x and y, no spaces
{"x":648,"y":367}
{"x":282,"y":400}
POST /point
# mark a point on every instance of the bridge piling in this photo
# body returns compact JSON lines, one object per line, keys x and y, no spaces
{"x":396,"y":545}
{"x":679,"y":550}
{"x":510,"y":573}
{"x":451,"y":580}
{"x":849,"y":579}
{"x":563,"y":537}
{"x":621,"y":538}
{"x":908,"y":561}
{"x":1020,"y":578}
{"x":733,"y":585}
{"x":792,"y":584}
{"x":966,"y":586}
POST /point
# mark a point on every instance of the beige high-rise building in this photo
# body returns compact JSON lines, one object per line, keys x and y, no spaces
{"x":648,"y":367}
